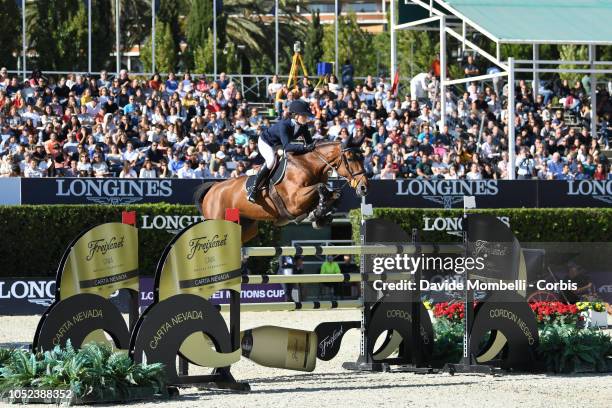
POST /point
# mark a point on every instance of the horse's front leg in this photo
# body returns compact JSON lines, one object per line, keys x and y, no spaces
{"x":320,"y":206}
{"x":324,"y":213}
{"x":303,"y":201}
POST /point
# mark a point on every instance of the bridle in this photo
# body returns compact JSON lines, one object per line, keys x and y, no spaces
{"x":352,"y":178}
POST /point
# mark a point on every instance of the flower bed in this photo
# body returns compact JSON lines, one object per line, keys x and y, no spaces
{"x":555,"y":312}
{"x":564,"y":345}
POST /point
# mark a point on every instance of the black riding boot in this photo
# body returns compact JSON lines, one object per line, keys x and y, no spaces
{"x":262,"y":177}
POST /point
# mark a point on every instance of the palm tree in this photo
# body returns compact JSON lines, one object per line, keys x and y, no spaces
{"x":134,"y":21}
{"x":251,"y":33}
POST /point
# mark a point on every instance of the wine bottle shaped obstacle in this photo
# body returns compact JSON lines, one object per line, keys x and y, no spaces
{"x":294,"y":349}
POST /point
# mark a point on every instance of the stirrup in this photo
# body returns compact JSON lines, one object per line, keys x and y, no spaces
{"x":252,"y":194}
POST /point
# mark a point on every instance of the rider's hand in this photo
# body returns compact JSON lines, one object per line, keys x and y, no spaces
{"x":309,"y":147}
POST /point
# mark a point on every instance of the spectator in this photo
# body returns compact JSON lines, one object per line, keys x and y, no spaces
{"x":99,"y":166}
{"x":347,"y":74}
{"x":186,"y":171}
{"x":423,"y":168}
{"x":474,"y":173}
{"x":127,"y":171}
{"x":525,"y":164}
{"x":147,"y":170}
{"x":327,"y":268}
{"x":192,"y":120}
{"x":470,"y":69}
{"x":419,"y":86}
{"x":32,"y":170}
{"x":84,"y":166}
{"x":273,"y":88}
{"x":202,"y":171}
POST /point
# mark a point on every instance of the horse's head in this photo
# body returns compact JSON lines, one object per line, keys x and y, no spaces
{"x":351,"y":166}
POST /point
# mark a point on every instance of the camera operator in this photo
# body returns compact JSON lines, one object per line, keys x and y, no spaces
{"x":525,"y":164}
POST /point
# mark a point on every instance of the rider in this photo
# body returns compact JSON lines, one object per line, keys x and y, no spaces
{"x":282,"y":134}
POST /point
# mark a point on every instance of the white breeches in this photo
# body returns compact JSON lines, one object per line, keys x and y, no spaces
{"x":267,"y":153}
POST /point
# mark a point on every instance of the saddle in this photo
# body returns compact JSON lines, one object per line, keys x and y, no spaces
{"x":278,"y":173}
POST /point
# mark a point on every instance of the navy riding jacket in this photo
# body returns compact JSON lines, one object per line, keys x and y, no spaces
{"x":284,"y":132}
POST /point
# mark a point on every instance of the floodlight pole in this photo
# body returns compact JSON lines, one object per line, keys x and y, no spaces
{"x":592,"y":58}
{"x":393,"y":40}
{"x":276,"y":37}
{"x":89,"y":36}
{"x":117,"y":37}
{"x":336,"y":38}
{"x":442,"y":72}
{"x":23,"y":38}
{"x":152,"y":36}
{"x":511,"y":136}
{"x":215,"y":39}
{"x":536,"y":77}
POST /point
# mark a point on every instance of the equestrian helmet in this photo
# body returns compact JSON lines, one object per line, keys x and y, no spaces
{"x":300,"y":107}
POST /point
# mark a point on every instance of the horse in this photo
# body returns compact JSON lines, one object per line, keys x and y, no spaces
{"x":302,"y":190}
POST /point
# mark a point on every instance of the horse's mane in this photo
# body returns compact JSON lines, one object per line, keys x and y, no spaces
{"x":325,"y":144}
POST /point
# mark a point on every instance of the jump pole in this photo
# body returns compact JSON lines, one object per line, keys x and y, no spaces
{"x":291,"y":306}
{"x":298,"y":250}
{"x":317,"y":278}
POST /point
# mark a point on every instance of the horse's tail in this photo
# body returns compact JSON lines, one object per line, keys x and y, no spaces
{"x":200,"y":192}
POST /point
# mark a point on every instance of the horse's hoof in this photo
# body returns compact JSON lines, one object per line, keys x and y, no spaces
{"x":322,"y":222}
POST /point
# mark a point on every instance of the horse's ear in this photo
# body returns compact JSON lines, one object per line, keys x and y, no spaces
{"x":358,"y":142}
{"x":349,"y":142}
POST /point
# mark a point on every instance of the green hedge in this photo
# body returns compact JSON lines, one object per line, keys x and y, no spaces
{"x":528,"y":224}
{"x":33,"y":238}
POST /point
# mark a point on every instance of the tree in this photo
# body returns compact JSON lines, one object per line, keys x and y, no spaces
{"x":9,"y":33}
{"x":203,"y":55}
{"x":169,"y":14}
{"x":103,"y":28}
{"x":573,"y":53}
{"x":72,"y":42}
{"x":252,"y":38}
{"x":313,"y":46}
{"x":134,"y":21}
{"x":165,"y":54}
{"x":58,"y":33}
{"x":199,"y":23}
{"x":353,"y":43}
{"x":60,"y":50}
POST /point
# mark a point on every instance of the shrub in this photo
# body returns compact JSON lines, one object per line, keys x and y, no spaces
{"x":94,"y":371}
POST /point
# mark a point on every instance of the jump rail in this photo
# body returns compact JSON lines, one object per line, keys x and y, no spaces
{"x":289,"y":306}
{"x":353,"y":250}
{"x":318,"y":278}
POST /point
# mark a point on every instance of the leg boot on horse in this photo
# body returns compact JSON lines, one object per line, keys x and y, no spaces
{"x":262,"y":180}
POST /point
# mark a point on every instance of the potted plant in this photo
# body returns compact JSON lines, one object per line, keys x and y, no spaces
{"x":594,"y":313}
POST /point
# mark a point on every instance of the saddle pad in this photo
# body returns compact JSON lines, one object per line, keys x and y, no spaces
{"x":277,"y":175}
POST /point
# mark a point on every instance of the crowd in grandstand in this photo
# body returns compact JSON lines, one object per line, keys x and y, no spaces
{"x":196,"y":127}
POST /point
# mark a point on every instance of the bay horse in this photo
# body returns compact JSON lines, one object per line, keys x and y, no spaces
{"x":305,"y":177}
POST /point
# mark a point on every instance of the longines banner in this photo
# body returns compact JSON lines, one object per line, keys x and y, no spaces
{"x":32,"y":296}
{"x":383,"y":193}
{"x":107,"y":191}
{"x":415,"y":193}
